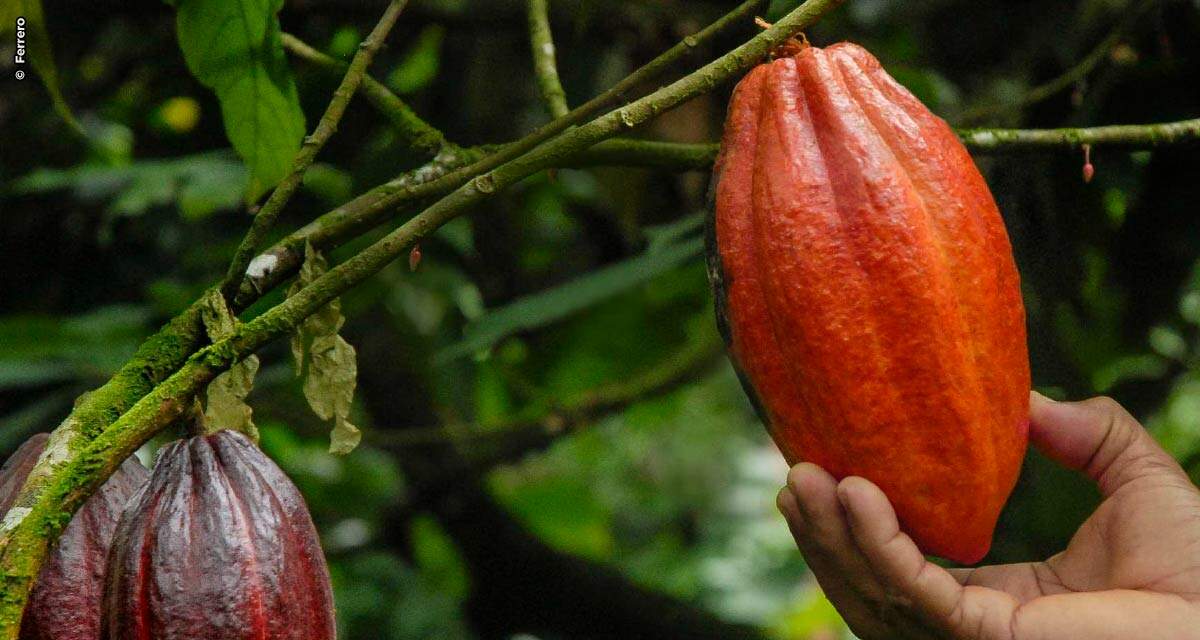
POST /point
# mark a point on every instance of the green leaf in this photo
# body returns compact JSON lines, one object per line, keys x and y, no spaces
{"x":665,"y":235}
{"x":438,"y":558}
{"x":234,"y":48}
{"x":329,"y":183}
{"x":549,"y":306}
{"x":344,"y":42}
{"x":344,"y":438}
{"x":37,"y":414}
{"x":1142,"y":366}
{"x":22,"y":373}
{"x":332,"y":371}
{"x":38,"y":51}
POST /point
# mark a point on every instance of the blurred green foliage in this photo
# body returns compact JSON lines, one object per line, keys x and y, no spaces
{"x":571,"y":282}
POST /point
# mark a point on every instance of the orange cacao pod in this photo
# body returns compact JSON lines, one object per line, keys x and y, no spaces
{"x":867,"y":292}
{"x":219,"y":546}
{"x":65,"y":601}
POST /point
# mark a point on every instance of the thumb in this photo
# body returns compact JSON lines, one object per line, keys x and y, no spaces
{"x":1099,"y":438}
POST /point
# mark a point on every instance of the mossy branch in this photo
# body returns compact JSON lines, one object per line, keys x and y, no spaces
{"x":453,"y":166}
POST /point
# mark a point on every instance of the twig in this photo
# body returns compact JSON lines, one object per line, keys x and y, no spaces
{"x":415,"y":133}
{"x":24,"y":539}
{"x":1068,"y":77}
{"x":326,"y":126}
{"x":673,"y":156}
{"x":1131,"y":136}
{"x":544,"y":66}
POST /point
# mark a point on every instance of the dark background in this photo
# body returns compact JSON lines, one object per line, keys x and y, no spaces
{"x":657,"y":518}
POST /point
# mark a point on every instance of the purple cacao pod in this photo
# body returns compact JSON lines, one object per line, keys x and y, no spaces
{"x":220,"y":546}
{"x":65,"y":601}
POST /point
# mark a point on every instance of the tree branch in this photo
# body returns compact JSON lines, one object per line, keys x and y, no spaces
{"x":673,"y":156}
{"x":326,"y":126}
{"x":699,"y":157}
{"x":542,"y":45}
{"x":1127,"y":136}
{"x":24,"y":538}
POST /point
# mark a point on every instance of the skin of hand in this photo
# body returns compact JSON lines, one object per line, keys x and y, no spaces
{"x":1131,"y":571}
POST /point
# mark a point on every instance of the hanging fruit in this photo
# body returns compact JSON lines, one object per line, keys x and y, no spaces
{"x":867,"y":292}
{"x":65,"y":601}
{"x":220,"y":546}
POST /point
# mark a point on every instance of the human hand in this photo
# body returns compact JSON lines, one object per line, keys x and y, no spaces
{"x":1131,"y":571}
